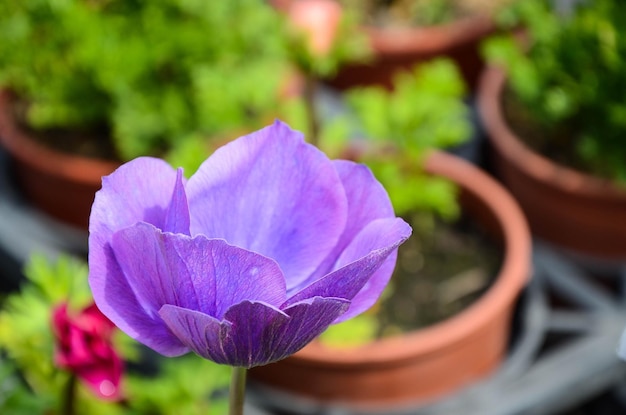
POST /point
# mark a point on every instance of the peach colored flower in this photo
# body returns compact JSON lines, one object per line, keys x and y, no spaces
{"x":318,"y":20}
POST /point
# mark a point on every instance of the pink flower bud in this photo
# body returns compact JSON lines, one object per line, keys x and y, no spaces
{"x":84,"y":347}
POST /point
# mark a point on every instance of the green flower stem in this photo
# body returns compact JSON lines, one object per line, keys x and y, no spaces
{"x":237,"y":390}
{"x":68,"y":399}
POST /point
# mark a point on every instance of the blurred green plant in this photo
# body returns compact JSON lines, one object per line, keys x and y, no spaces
{"x":25,"y":333}
{"x":30,"y":383}
{"x":400,"y":128}
{"x":156,"y":75}
{"x":354,"y":332}
{"x":569,"y":75}
{"x":186,"y":385}
{"x":425,"y":111}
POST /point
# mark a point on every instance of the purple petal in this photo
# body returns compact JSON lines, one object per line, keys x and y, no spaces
{"x":367,"y":201}
{"x":243,"y":341}
{"x":142,"y":190}
{"x":271,"y":193}
{"x":376,"y":234}
{"x":357,"y":278}
{"x":177,"y":215}
{"x":197,"y":273}
{"x":200,"y":332}
{"x":145,"y":189}
{"x":116,"y":299}
{"x":309,"y":319}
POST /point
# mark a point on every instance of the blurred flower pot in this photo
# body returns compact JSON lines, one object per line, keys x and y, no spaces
{"x":60,"y":184}
{"x":402,"y":48}
{"x":63,"y":185}
{"x":435,"y":361}
{"x":573,"y":210}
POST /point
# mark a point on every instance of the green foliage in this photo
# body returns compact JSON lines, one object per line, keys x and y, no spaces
{"x":359,"y":330}
{"x":334,"y":136}
{"x":354,"y":332}
{"x":30,"y":383}
{"x":571,"y":77}
{"x":156,"y":73}
{"x":186,"y":385}
{"x":25,"y":333}
{"x":15,"y":399}
{"x":424,"y":112}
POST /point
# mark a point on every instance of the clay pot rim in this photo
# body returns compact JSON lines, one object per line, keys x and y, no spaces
{"x":389,"y":42}
{"x":47,"y":160}
{"x":450,"y":333}
{"x":533,"y":164}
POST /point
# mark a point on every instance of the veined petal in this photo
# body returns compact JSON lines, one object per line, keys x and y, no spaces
{"x":200,"y":332}
{"x":357,"y":278}
{"x":116,"y":299}
{"x":198,"y":273}
{"x":145,"y":189}
{"x":308,"y":319}
{"x":271,"y":193}
{"x":367,"y":201}
{"x":242,"y":341}
{"x":374,"y":236}
{"x":207,"y":275}
{"x":367,"y":198}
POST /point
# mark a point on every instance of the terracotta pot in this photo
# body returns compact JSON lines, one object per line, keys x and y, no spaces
{"x":573,"y":210}
{"x":435,"y":361}
{"x":401,"y":49}
{"x":59,"y":184}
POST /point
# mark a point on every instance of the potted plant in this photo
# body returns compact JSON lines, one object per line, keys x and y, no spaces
{"x":402,"y":33}
{"x":393,"y":365}
{"x":60,"y":355}
{"x":114,"y":80}
{"x":551,"y":106}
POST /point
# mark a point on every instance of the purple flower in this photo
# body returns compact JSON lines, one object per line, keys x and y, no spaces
{"x":264,"y":247}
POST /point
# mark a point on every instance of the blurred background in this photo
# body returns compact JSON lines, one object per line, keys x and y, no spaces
{"x":524,"y":95}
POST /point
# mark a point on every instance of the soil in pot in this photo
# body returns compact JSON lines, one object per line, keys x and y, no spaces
{"x":441,"y":270}
{"x":91,"y":141}
{"x":56,"y":182}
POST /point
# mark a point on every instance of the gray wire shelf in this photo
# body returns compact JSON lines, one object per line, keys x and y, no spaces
{"x":538,"y":377}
